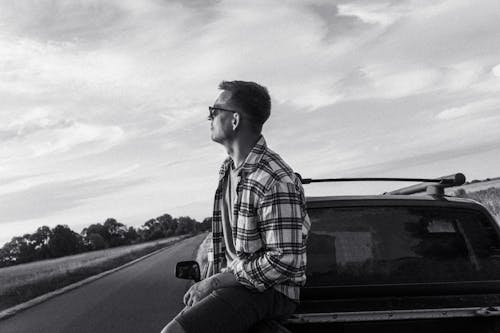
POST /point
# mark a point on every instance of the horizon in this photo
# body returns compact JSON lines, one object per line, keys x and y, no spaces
{"x":104,"y":103}
{"x":469,"y":183}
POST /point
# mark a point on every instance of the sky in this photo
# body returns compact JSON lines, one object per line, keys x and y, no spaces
{"x":103,"y":104}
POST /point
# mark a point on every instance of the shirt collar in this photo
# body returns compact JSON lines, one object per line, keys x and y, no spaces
{"x":251,"y":162}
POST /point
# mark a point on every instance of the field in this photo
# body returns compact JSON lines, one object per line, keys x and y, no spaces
{"x":486,"y":192}
{"x":23,"y":282}
{"x":482,"y":185}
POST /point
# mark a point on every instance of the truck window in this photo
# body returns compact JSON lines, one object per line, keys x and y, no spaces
{"x":388,"y":245}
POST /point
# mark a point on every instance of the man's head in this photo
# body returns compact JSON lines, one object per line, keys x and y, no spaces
{"x":241,"y":106}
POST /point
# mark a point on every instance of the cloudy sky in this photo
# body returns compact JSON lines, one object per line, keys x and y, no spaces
{"x":103,"y":104}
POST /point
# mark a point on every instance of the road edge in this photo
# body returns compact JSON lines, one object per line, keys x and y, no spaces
{"x":4,"y":314}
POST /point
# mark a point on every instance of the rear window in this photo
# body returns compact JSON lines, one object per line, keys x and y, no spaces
{"x":379,"y":245}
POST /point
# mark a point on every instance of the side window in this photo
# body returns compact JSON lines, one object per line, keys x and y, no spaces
{"x":375,"y":245}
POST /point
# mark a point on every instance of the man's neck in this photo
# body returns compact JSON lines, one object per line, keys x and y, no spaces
{"x":241,"y":147}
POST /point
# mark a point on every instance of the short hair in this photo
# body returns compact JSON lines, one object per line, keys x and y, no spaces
{"x":252,"y":98}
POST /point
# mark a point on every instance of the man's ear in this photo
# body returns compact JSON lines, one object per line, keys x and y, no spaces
{"x":235,"y":121}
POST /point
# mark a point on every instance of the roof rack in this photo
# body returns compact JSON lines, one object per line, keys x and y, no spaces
{"x":437,"y":188}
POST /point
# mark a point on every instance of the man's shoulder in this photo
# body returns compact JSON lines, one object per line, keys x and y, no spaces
{"x":272,"y":169}
{"x":275,"y":165}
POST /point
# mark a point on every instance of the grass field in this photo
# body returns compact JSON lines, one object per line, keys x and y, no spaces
{"x":483,"y":185}
{"x":486,"y":192}
{"x":23,"y":282}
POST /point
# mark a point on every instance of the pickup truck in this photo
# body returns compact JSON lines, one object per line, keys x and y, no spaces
{"x":398,"y":262}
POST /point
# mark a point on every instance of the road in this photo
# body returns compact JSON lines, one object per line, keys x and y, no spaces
{"x":140,"y":298}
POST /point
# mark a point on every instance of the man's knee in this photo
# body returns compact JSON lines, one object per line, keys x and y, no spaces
{"x":173,"y":327}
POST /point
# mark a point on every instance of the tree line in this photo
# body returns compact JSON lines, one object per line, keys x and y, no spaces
{"x":46,"y":243}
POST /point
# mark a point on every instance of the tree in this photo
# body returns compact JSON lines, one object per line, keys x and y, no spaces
{"x":152,"y":230}
{"x":206,"y":225}
{"x":64,"y":241}
{"x":4,"y":258}
{"x":168,"y":224}
{"x":40,"y":242}
{"x":27,"y":248}
{"x":17,"y":251}
{"x":112,"y":232}
{"x":156,"y":234}
{"x":97,"y":229}
{"x":185,"y":225}
{"x":117,"y":232}
{"x":97,"y":242}
{"x":132,"y":236}
{"x":9,"y":253}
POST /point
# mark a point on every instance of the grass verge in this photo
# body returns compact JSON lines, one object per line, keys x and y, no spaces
{"x":24,"y":282}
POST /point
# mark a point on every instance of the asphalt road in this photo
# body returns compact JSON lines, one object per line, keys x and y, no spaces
{"x":140,"y":298}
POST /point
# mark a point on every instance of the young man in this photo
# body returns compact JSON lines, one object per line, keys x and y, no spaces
{"x":257,"y":257}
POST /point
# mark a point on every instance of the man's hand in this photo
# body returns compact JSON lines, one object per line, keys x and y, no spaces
{"x":198,"y":291}
{"x":202,"y":289}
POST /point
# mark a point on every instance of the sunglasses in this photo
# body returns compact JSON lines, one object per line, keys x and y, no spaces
{"x":212,"y":111}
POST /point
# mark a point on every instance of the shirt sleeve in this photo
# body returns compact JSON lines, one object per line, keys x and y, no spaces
{"x":281,"y":213}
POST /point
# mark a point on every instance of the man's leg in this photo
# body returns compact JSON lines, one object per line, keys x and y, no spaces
{"x":235,"y":309}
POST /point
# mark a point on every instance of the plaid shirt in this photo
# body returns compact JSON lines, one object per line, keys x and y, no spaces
{"x":269,"y":225}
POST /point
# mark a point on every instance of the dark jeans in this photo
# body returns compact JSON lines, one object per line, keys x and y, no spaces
{"x":237,"y":309}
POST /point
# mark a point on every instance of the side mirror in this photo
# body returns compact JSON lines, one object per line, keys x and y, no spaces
{"x":188,"y":270}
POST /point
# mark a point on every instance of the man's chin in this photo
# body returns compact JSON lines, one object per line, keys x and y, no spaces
{"x":214,"y":138}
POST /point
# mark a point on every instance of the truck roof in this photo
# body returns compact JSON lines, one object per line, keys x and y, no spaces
{"x":386,"y":197}
{"x":393,"y":200}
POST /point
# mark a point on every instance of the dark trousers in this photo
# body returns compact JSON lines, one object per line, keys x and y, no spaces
{"x":237,"y":309}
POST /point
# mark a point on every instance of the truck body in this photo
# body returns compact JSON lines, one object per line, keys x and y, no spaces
{"x":400,"y":263}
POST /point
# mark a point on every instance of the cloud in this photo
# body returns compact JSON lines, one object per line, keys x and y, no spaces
{"x":496,"y":70}
{"x":315,"y":99}
{"x":39,"y":133}
{"x":400,"y":79}
{"x":461,"y":76}
{"x":418,"y":52}
{"x":424,"y":158}
{"x":38,"y":119}
{"x":22,"y":184}
{"x":398,"y":82}
{"x":469,"y":109}
{"x":36,"y":200}
{"x":383,"y":14}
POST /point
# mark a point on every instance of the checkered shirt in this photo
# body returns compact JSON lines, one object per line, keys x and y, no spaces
{"x":269,"y":226}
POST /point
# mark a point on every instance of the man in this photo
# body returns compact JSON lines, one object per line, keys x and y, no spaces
{"x":257,"y":257}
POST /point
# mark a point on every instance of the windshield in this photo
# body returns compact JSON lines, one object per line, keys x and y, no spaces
{"x":380,"y":245}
